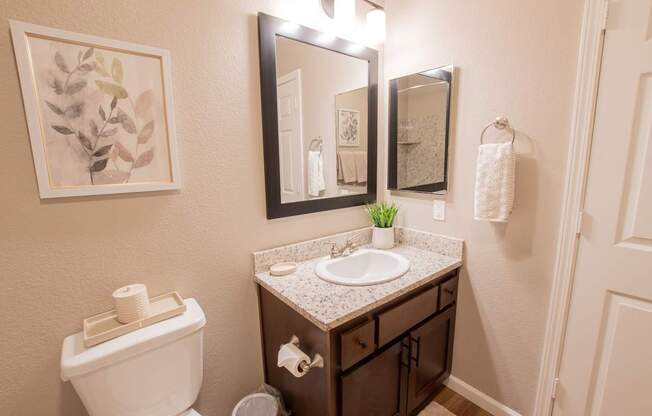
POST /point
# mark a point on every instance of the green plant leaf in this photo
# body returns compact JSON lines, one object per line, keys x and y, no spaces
{"x":111,"y":89}
{"x":116,"y":70}
{"x":114,"y":102}
{"x":99,"y":57}
{"x":85,"y":141}
{"x":61,"y":63}
{"x":63,"y":130}
{"x":75,"y":87}
{"x":74,"y":110}
{"x":123,"y":153}
{"x":54,"y":108}
{"x":144,"y":159}
{"x":114,"y":120}
{"x":103,"y":150}
{"x":99,"y":165}
{"x":146,"y":133}
{"x":88,"y":53}
{"x":382,"y":214}
{"x":102,"y":113}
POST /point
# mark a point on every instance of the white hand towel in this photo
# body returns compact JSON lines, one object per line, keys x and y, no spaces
{"x":494,"y":182}
{"x":316,"y":181}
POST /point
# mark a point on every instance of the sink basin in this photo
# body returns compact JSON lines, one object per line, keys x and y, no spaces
{"x":363,"y":268}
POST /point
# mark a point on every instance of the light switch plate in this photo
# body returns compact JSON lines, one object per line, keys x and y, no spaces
{"x":439,"y":210}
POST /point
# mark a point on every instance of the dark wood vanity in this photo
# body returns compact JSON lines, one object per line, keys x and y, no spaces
{"x":389,"y":361}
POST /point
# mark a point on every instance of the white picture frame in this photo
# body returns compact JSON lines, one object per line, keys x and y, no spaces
{"x":155,"y":167}
{"x":348,"y":127}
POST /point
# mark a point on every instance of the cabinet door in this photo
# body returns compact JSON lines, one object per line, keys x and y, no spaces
{"x":374,"y":389}
{"x":431,"y":353}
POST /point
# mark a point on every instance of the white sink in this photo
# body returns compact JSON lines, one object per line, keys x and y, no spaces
{"x":362,"y":268}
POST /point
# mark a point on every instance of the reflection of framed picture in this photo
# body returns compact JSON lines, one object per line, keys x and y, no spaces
{"x":348,"y":127}
{"x":99,"y":113}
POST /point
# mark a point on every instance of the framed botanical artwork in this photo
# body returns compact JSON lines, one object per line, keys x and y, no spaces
{"x":348,"y":127}
{"x":99,"y":113}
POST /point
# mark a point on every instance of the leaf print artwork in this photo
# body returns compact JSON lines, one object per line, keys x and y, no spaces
{"x":348,"y":127}
{"x":102,"y":111}
{"x":103,"y":138}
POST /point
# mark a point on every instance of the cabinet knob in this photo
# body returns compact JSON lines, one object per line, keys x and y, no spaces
{"x":362,"y":343}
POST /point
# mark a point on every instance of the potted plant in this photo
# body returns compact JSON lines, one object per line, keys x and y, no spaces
{"x":382,"y":215}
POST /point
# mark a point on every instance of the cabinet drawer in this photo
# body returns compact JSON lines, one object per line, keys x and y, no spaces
{"x":357,"y":343}
{"x":402,"y":317}
{"x":448,"y":293}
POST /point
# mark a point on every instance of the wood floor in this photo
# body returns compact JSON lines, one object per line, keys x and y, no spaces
{"x":458,"y":405}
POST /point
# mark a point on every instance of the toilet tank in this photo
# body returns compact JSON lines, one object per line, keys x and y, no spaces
{"x":153,"y":371}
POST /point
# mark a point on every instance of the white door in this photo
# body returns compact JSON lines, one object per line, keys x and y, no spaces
{"x":290,"y":136}
{"x":606,"y":365}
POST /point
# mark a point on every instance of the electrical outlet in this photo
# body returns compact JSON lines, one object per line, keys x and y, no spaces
{"x":439,"y":210}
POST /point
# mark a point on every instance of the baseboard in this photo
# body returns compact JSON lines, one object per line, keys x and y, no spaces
{"x":479,"y":398}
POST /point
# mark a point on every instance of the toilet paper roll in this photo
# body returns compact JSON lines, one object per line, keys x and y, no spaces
{"x":291,"y":357}
{"x":131,"y":303}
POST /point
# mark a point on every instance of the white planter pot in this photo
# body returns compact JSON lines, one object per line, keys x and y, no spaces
{"x":383,"y":238}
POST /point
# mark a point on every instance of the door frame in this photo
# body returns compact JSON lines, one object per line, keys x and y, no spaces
{"x":589,"y":61}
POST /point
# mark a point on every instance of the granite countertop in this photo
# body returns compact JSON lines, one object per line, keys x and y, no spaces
{"x":328,"y":305}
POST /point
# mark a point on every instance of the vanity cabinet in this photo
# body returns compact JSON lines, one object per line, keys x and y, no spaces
{"x":390,"y":361}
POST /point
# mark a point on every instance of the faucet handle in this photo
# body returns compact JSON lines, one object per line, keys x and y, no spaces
{"x":335,"y":252}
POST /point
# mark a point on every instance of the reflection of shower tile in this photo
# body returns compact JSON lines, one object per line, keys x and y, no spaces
{"x":422,"y":162}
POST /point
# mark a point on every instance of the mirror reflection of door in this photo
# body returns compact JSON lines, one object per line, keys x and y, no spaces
{"x":323,"y":141}
{"x":290,"y":136}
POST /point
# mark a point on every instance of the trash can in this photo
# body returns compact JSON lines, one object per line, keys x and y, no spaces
{"x":257,"y":404}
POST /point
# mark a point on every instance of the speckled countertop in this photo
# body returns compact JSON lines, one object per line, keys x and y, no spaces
{"x":328,"y":305}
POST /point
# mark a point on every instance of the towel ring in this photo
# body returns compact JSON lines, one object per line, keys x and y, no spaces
{"x":501,"y":123}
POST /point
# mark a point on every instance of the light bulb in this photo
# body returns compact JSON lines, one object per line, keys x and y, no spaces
{"x":345,"y":15}
{"x":376,"y":26}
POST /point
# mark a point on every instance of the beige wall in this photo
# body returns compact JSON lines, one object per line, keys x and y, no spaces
{"x":512,"y":58}
{"x":60,"y":259}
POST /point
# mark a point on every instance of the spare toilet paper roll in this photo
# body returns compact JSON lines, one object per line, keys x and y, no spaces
{"x":131,"y":303}
{"x":291,"y":357}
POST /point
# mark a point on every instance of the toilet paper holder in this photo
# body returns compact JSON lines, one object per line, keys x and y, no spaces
{"x":317,"y":359}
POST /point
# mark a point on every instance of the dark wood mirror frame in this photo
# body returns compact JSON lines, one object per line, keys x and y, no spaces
{"x":446,"y":74}
{"x":268,"y":28}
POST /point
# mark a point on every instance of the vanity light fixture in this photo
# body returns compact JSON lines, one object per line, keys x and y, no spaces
{"x":376,"y":26}
{"x":345,"y":15}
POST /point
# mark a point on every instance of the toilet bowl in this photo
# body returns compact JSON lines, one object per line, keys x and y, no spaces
{"x":153,"y":371}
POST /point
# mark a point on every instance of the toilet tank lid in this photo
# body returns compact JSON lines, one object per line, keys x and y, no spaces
{"x":76,"y":359}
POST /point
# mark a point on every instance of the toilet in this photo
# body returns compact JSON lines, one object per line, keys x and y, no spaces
{"x":153,"y":371}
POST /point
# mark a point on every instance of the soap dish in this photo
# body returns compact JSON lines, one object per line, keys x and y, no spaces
{"x":282,"y":269}
{"x":105,"y":326}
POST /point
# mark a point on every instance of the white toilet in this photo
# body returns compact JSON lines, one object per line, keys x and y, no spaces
{"x":153,"y":371}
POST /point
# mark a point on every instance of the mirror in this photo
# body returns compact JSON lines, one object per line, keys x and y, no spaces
{"x":319,"y":119}
{"x":419,"y":123}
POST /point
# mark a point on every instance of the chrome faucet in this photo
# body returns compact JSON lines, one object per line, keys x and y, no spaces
{"x":347,"y":249}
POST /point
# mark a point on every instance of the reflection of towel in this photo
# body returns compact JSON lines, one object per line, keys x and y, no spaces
{"x":494,"y":182}
{"x":346,"y":164}
{"x":316,"y":181}
{"x":361,"y":166}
